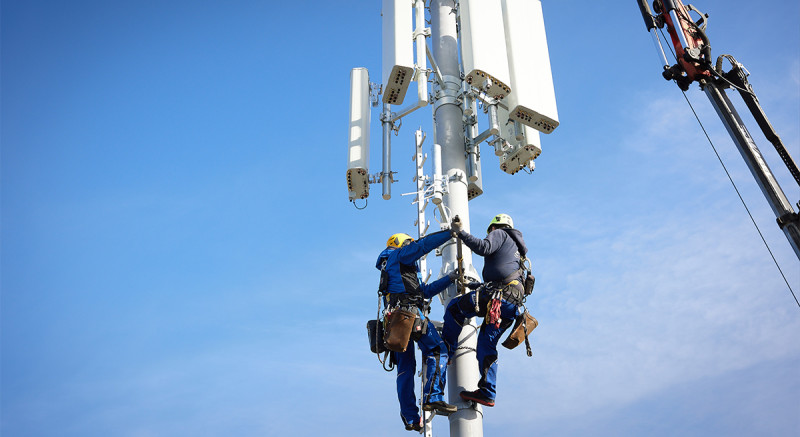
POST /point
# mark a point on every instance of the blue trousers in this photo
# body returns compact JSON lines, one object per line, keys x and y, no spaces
{"x":462,"y":308}
{"x":434,"y":355}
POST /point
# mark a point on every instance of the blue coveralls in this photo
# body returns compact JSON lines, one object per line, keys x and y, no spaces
{"x":501,"y":252}
{"x":401,"y":265}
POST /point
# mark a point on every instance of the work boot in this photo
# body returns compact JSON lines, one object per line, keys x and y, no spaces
{"x":416,"y":426}
{"x":441,"y":407}
{"x":477,"y":396}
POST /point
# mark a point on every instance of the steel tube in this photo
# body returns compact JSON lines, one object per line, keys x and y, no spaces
{"x":422,"y":75}
{"x":463,"y":371}
{"x":662,"y":57}
{"x":678,"y":28}
{"x":386,"y":171}
{"x":755,"y":161}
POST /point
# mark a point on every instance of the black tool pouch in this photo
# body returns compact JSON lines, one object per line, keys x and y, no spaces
{"x":529,"y":281}
{"x":420,"y":328}
{"x":375,"y":335}
{"x":383,"y":285}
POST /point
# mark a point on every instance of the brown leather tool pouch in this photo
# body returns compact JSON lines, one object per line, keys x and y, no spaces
{"x":398,"y":329}
{"x":518,"y":333}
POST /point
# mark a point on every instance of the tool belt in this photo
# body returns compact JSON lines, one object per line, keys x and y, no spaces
{"x":404,"y":300}
{"x":492,"y":293}
{"x":510,"y":290}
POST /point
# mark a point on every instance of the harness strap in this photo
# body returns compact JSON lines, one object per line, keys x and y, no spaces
{"x":509,"y":290}
{"x":525,"y":329}
{"x":405,"y":300}
{"x":523,"y":256}
{"x":528,"y":347}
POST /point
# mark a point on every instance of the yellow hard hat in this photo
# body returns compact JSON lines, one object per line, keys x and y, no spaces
{"x":501,"y":219}
{"x":398,"y":240}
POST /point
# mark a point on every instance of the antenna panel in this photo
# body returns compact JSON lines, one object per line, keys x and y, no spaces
{"x":525,"y":145}
{"x":358,"y":147}
{"x":506,"y":124}
{"x":475,"y":187}
{"x":398,"y":46}
{"x":532,"y":141}
{"x":483,"y":46}
{"x":532,"y":101}
{"x":474,"y":172}
{"x":518,"y":158}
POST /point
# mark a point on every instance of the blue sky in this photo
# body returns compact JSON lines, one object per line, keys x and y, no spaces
{"x":179,"y":256}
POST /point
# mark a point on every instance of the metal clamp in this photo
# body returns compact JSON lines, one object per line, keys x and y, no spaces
{"x":786,"y":219}
{"x":449,"y":92}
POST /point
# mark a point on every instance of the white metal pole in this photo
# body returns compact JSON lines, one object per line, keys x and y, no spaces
{"x":422,"y":75}
{"x":422,"y":229}
{"x":419,"y":177}
{"x":449,"y":133}
{"x":386,"y":173}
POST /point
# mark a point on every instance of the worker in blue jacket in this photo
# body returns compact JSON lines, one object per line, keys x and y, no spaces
{"x":401,"y":286}
{"x":499,"y":301}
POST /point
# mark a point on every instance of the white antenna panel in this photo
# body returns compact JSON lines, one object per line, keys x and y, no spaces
{"x":475,"y":188}
{"x":506,"y":125}
{"x":483,"y":46}
{"x":523,"y":150}
{"x":532,"y":141}
{"x":358,"y":147}
{"x":517,"y":159}
{"x":532,"y":100}
{"x":398,"y":46}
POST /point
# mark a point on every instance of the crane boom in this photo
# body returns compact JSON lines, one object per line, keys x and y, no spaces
{"x":694,"y":64}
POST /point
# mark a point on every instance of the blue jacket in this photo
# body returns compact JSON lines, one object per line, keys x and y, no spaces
{"x":501,"y":250}
{"x":401,"y":265}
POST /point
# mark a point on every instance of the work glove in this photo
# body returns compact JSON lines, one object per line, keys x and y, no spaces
{"x":456,"y":225}
{"x":453,"y":275}
{"x":473,"y":285}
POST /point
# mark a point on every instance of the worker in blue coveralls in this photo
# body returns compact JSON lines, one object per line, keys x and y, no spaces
{"x":399,"y":269}
{"x":499,"y":301}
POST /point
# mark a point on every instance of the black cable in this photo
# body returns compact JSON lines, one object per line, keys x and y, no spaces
{"x":741,"y":199}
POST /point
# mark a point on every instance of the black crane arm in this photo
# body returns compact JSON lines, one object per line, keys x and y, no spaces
{"x":693,"y":55}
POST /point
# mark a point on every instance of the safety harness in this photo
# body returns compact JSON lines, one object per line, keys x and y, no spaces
{"x":410,"y":301}
{"x":511,"y":290}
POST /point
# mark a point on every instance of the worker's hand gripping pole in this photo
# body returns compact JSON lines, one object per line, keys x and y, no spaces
{"x":455,"y":227}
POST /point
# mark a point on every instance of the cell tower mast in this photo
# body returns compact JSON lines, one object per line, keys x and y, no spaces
{"x":449,"y":133}
{"x":488,"y":52}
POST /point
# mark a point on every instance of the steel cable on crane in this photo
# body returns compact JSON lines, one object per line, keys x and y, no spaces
{"x":661,"y":31}
{"x":742,"y":199}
